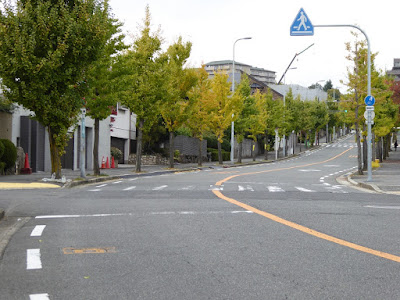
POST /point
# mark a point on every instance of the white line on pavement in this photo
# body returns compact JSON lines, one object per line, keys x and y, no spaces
{"x":101,"y":185}
{"x":33,"y":261}
{"x":382,"y":207}
{"x":274,"y":189}
{"x":130,"y":188}
{"x":38,"y":230}
{"x":39,"y":297}
{"x":159,"y":188}
{"x":301,"y":189}
{"x":149,"y":214}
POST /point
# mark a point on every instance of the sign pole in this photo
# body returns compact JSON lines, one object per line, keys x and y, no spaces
{"x":369,"y":121}
{"x":302,"y":26}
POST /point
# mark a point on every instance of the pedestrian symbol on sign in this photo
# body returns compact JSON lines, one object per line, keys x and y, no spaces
{"x":301,"y":25}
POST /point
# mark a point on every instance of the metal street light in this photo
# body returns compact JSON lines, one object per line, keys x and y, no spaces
{"x":233,"y":91}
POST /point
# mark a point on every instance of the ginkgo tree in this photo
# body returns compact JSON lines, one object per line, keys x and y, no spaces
{"x":175,"y":107}
{"x":45,"y":48}
{"x":201,"y":99}
{"x":142,"y":80}
{"x":101,"y":94}
{"x":224,"y":108}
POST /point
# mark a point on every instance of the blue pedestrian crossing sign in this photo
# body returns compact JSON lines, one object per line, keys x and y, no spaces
{"x":301,"y":25}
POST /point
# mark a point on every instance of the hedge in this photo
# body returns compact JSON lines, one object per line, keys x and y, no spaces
{"x":9,"y":156}
{"x":214,"y":154}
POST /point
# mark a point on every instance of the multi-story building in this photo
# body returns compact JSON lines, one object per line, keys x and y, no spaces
{"x":396,"y":69}
{"x":262,"y":75}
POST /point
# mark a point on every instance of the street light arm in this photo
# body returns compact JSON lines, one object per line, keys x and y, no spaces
{"x":297,"y":54}
{"x":294,"y":57}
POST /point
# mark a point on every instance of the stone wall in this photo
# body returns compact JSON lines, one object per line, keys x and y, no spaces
{"x":6,"y":126}
{"x":157,"y":159}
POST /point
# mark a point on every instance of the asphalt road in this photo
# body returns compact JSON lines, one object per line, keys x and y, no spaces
{"x":285,"y":230}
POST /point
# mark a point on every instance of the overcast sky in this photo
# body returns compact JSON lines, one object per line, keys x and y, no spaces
{"x":213,"y":26}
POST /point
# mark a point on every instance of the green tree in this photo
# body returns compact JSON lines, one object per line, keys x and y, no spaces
{"x":101,"y":93}
{"x":142,"y":80}
{"x":45,"y":48}
{"x":247,"y":108}
{"x":176,"y":105}
{"x":201,"y":105}
{"x":223,"y":108}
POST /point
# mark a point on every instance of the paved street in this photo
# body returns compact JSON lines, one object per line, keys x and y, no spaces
{"x":282,"y":230}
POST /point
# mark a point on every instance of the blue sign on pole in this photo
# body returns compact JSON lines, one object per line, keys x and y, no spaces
{"x":369,"y":100}
{"x":301,"y":25}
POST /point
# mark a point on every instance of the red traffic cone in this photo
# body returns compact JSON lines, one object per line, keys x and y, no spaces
{"x":107,"y":164}
{"x":112,"y":162}
{"x":103,"y":164}
{"x":26,"y":169}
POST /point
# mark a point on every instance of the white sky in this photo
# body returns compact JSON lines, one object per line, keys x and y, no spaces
{"x":213,"y":27}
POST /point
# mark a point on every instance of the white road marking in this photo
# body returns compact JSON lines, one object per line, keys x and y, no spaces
{"x":38,"y":230}
{"x":116,"y":182}
{"x":101,"y":185}
{"x":159,"y":188}
{"x":95,"y":190}
{"x":309,"y":170}
{"x":382,"y":207}
{"x":130,"y":188}
{"x":132,"y":179}
{"x":39,"y":297}
{"x":216,"y":188}
{"x":146,"y":214}
{"x":248,"y":188}
{"x":301,"y":189}
{"x":274,"y":189}
{"x":33,"y":261}
{"x":188,"y":188}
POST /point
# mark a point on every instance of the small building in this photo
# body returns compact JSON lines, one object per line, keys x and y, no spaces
{"x":304,"y":93}
{"x":395,"y":72}
{"x":123,"y":131}
{"x":29,"y":134}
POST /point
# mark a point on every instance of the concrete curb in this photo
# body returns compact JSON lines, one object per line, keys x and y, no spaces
{"x":367,"y":186}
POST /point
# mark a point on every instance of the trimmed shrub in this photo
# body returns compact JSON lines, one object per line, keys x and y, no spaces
{"x":9,"y":156}
{"x":2,"y":147}
{"x":214,"y":154}
{"x":116,"y":153}
{"x":212,"y":142}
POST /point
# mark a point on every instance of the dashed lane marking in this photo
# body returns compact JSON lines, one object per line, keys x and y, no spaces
{"x":38,"y":230}
{"x":33,"y":261}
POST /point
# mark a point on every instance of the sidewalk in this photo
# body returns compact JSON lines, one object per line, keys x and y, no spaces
{"x":385,"y":179}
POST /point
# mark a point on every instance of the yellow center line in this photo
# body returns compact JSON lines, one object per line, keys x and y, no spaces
{"x":297,"y":226}
{"x":31,"y":185}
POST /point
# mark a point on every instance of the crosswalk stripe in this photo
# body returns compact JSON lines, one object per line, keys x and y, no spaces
{"x":301,"y":189}
{"x":159,"y":188}
{"x":248,"y":188}
{"x":274,"y":189}
{"x":129,"y":188}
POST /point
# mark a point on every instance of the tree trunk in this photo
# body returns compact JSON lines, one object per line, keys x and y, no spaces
{"x":266,"y":146}
{"x":253,"y":150}
{"x":54,"y":155}
{"x":171,"y":149}
{"x":96,"y":168}
{"x":221,"y":162}
{"x":139,"y":146}
{"x":240,"y":152}
{"x":360,"y":169}
{"x":200,"y":157}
